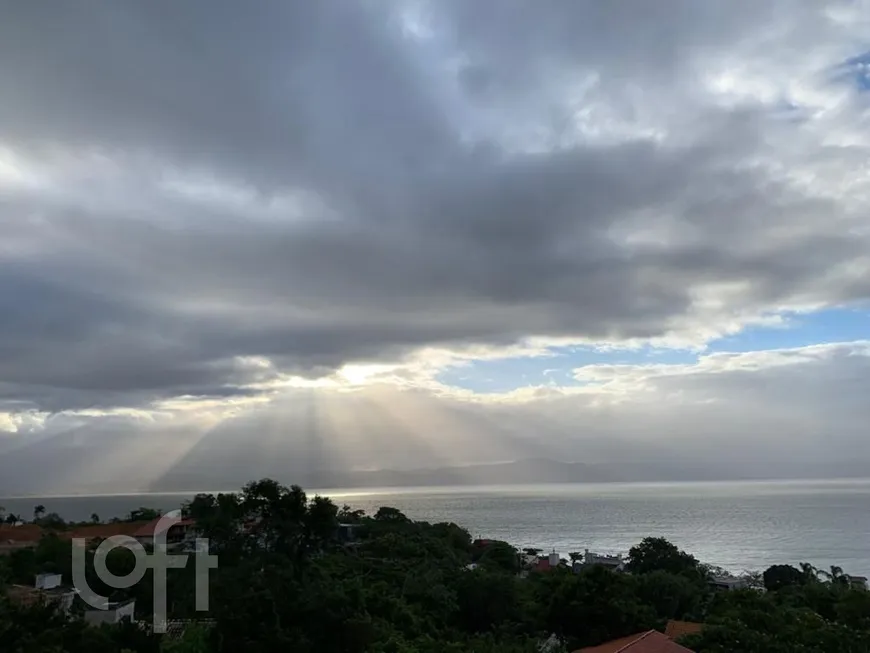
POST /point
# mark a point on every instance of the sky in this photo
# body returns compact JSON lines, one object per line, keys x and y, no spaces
{"x":403,"y":233}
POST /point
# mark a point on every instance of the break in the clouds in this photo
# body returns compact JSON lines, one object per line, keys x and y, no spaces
{"x":209,"y":207}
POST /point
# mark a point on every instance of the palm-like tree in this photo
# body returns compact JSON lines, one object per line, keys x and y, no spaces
{"x":835,"y":576}
{"x":810,"y":573}
{"x":12,"y":519}
{"x":95,"y":518}
{"x":38,"y":511}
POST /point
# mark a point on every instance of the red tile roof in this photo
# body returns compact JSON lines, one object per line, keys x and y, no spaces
{"x":651,"y":641}
{"x":102,"y":531}
{"x":543,"y":564}
{"x":23,"y":533}
{"x":149,"y":529}
{"x":676,"y":629}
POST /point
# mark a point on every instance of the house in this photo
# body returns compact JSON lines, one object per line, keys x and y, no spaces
{"x":857,"y":582}
{"x":612,"y":562}
{"x":547,"y":563}
{"x":46,"y":589}
{"x":25,"y":595}
{"x":676,"y":629}
{"x":112,"y":613}
{"x":728,"y":583}
{"x":652,"y":641}
{"x":175,"y":535}
{"x":48,"y":581}
{"x":529,"y":560}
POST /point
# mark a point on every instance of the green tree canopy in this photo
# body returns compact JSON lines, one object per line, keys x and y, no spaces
{"x":778,"y":576}
{"x":657,"y":554}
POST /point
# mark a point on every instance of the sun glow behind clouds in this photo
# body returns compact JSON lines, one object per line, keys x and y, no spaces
{"x":359,"y":374}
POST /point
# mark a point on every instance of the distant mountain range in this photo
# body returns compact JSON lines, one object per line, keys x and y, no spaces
{"x":529,"y":471}
{"x":231,"y":472}
{"x":521,"y":472}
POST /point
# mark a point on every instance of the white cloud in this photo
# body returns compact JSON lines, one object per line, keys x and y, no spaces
{"x":779,"y":413}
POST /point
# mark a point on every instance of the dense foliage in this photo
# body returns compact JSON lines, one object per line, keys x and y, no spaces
{"x":287,"y":582}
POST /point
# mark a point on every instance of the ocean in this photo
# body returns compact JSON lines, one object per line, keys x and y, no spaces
{"x":737,"y":525}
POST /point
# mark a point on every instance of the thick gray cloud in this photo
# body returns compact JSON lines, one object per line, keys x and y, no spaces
{"x":186,"y":186}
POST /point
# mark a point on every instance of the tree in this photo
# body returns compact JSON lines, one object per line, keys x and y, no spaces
{"x":575,"y":556}
{"x":835,"y":576}
{"x":388,"y":514}
{"x":38,"y":511}
{"x":754,"y":579}
{"x":593,"y":606}
{"x":671,"y":596}
{"x":487,"y":600}
{"x":347,"y":515}
{"x":143,"y":514}
{"x":192,"y":640}
{"x":809,"y":572}
{"x":95,"y":518}
{"x":502,"y":556}
{"x":321,"y":522}
{"x":52,"y":521}
{"x":404,"y":587}
{"x":853,"y":609}
{"x":778,"y":576}
{"x":657,"y":554}
{"x":202,"y":506}
{"x":455,"y":536}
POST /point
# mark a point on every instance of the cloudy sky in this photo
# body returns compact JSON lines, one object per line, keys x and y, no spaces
{"x":397,"y":233}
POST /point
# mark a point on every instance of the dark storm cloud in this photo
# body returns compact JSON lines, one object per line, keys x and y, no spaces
{"x":383,"y":207}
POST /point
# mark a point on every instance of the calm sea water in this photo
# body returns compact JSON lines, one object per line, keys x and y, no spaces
{"x":740,"y":526}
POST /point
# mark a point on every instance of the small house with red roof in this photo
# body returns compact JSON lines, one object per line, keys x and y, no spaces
{"x":547,"y":562}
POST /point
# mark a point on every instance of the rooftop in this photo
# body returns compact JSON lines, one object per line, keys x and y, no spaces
{"x":102,"y":531}
{"x":175,"y":628}
{"x":651,"y":641}
{"x":149,"y":529}
{"x":22,"y":533}
{"x":32,"y":533}
{"x":27,"y":595}
{"x":543,"y":564}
